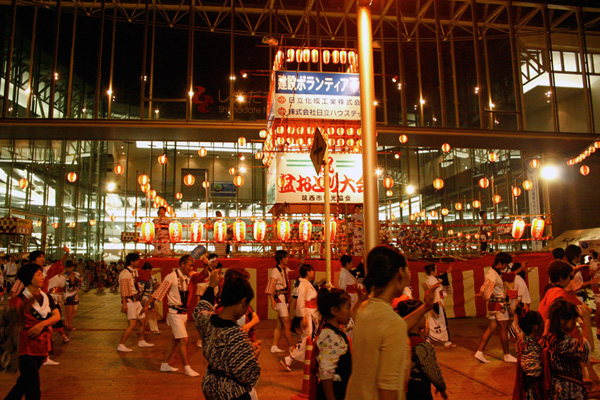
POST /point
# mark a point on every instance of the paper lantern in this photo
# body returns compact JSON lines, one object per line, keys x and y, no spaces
{"x":260,"y":230}
{"x":402,"y":204}
{"x":351,"y":57}
{"x":202,"y":152}
{"x":206,"y":184}
{"x":242,"y":141}
{"x":162,"y":159}
{"x":55,"y":225}
{"x":445,"y":211}
{"x":403,"y":139}
{"x":433,"y":213}
{"x":458,"y":206}
{"x":484,"y":183}
{"x":238,"y":180}
{"x":23,"y":183}
{"x":527,"y":184}
{"x":113,"y":218}
{"x":516,"y":191}
{"x":537,"y":228}
{"x":306,"y":55}
{"x":118,"y":169}
{"x":388,"y":182}
{"x":258,"y":155}
{"x":290,"y":55}
{"x":189,"y":180}
{"x":71,"y":177}
{"x":497,"y":198}
{"x":133,"y":213}
{"x":518,"y":228}
{"x":476,"y":204}
{"x":72,"y":224}
{"x":169,"y":208}
{"x":196,"y":231}
{"x":584,"y":170}
{"x":446,"y":148}
{"x":178,"y":195}
{"x":283,"y":230}
{"x":145,"y":188}
{"x":422,"y":214}
{"x":147,"y":233}
{"x":493,"y":157}
{"x":220,"y":230}
{"x":239,"y":230}
{"x":450,"y":232}
{"x":389,"y":193}
{"x":143,"y":179}
{"x":534,"y":163}
{"x":262,"y":133}
{"x":332,"y":229}
{"x":343,"y":57}
{"x":438,"y":183}
{"x":305,"y":229}
{"x":326,"y":56}
{"x":335,"y":56}
{"x":92,"y":222}
{"x":232,"y":171}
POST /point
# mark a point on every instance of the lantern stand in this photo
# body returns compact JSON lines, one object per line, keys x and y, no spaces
{"x":327,"y":210}
{"x":547,"y":209}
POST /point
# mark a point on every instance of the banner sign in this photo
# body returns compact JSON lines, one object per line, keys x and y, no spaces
{"x":223,"y":189}
{"x":302,"y":185}
{"x":320,"y":95}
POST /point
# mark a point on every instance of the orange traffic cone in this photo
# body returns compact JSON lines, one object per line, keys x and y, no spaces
{"x":309,"y":381}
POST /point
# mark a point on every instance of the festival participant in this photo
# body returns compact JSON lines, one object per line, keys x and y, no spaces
{"x":436,"y":318}
{"x":528,"y":382}
{"x":346,"y":280}
{"x":10,"y":272}
{"x":306,"y":308}
{"x":233,"y":369}
{"x":56,"y":289}
{"x":334,"y":353}
{"x":211,"y":261}
{"x":277,"y":289}
{"x":424,"y":368}
{"x":38,"y":313}
{"x":176,"y":287}
{"x":146,"y":284}
{"x":130,"y":303}
{"x":484,"y":228}
{"x":518,"y":296}
{"x":73,"y":282}
{"x":356,"y":226}
{"x":566,"y":353}
{"x":493,"y":292}
{"x":162,"y":246}
{"x":558,"y":253}
{"x":38,"y":257}
{"x":380,"y":357}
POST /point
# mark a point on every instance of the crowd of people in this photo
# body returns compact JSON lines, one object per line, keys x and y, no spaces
{"x":354,"y":357}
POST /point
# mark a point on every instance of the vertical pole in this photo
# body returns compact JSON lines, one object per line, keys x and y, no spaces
{"x":190,"y":66}
{"x":54,"y":62}
{"x":71,"y":63}
{"x":112,"y":64}
{"x":368,"y":125}
{"x":232,"y":65}
{"x":440,"y":62}
{"x":99,"y":61}
{"x":144,"y":56}
{"x":11,"y":46}
{"x":401,"y":79}
{"x":550,"y":68}
{"x":515,"y":67}
{"x":583,"y":62}
{"x":477,"y":50}
{"x":30,"y":85}
{"x":454,"y":83}
{"x":420,"y":82}
{"x":151,"y":88}
{"x":327,"y":213}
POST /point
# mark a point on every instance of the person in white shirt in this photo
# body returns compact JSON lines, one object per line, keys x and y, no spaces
{"x":278,"y":290}
{"x":130,"y":303}
{"x":306,"y":308}
{"x":347,"y":281}
{"x":493,"y":292}
{"x":436,"y":318}
{"x":176,"y":287}
{"x":10,"y":272}
{"x":73,"y":281}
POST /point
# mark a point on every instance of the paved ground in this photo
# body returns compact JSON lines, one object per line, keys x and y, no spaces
{"x":91,"y":368}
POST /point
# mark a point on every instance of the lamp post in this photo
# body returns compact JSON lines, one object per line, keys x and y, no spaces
{"x":368,"y":124}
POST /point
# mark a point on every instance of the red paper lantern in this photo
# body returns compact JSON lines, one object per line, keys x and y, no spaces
{"x":220,"y":230}
{"x":290,"y":55}
{"x":476,"y":204}
{"x":497,"y":198}
{"x":258,"y":155}
{"x":326,"y":56}
{"x":534,"y":163}
{"x":145,"y":188}
{"x":242,"y":141}
{"x":450,"y":232}
{"x":493,"y":157}
{"x":260,"y":230}
{"x":238,"y":180}
{"x":445,"y":211}
{"x":151,"y":194}
{"x":518,"y":228}
{"x":189,"y":180}
{"x":169,"y":208}
{"x":206,"y":184}
{"x":537,"y":228}
{"x":232,"y":171}
{"x":335,"y":56}
{"x":343,"y":57}
{"x":446,"y":148}
{"x":584,"y":170}
{"x":516,"y":191}
{"x":484,"y":183}
{"x":202,"y":152}
{"x":147,"y":233}
{"x":458,"y":206}
{"x":388,"y":182}
{"x":283,"y":230}
{"x":239,"y":230}
{"x":113,"y":218}
{"x":527,"y":184}
{"x":178,"y":195}
{"x":389,"y":193}
{"x":305,"y":229}
{"x":143,"y":179}
{"x":55,"y":225}
{"x":438,"y":183}
{"x":433,"y":213}
{"x":162,"y":159}
{"x":23,"y":183}
{"x":71,"y":177}
{"x":403,"y":139}
{"x":314,"y":55}
{"x":332,"y":229}
{"x":92,"y":222}
{"x":118,"y":169}
{"x":196,"y":231}
{"x":72,"y":224}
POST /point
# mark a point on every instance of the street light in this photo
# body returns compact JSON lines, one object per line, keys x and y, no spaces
{"x":549,"y":172}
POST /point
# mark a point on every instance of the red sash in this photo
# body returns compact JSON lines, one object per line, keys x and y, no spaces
{"x":352,"y":288}
{"x":312,"y":304}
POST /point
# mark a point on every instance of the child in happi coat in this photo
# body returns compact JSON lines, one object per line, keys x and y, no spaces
{"x":528,"y":383}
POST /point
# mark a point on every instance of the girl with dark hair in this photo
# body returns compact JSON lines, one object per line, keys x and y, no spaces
{"x":334,"y":355}
{"x":380,"y":357}
{"x":39,"y":313}
{"x":233,"y":369}
{"x":436,"y":318}
{"x":528,"y":383}
{"x":564,"y":353}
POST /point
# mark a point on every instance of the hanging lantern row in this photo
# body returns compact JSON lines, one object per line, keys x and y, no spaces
{"x":537,"y":228}
{"x":327,"y":56}
{"x":585,"y":154}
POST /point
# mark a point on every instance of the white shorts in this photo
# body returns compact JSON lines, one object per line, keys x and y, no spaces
{"x":499,"y":315}
{"x":134,"y":310}
{"x":282,"y":307}
{"x":177,"y":323}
